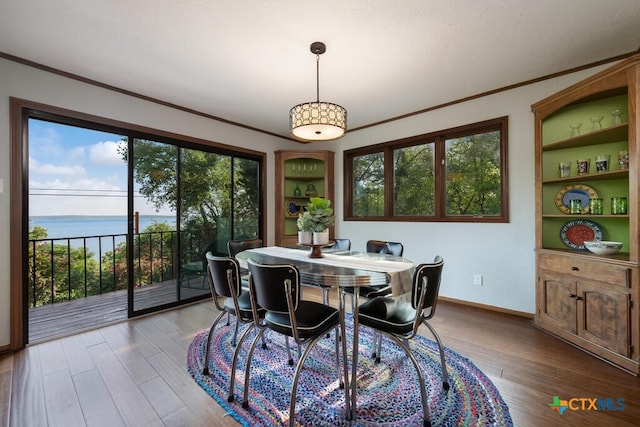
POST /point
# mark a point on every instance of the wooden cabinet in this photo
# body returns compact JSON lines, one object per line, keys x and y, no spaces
{"x":299,"y":176}
{"x":586,"y":299}
{"x":591,"y":301}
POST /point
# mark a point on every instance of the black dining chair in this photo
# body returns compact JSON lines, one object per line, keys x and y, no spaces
{"x":193,"y":265}
{"x":277,"y":289}
{"x":341,"y":245}
{"x":380,"y":247}
{"x":235,"y":246}
{"x":228,"y":297}
{"x":399,"y":319}
{"x":383,"y":247}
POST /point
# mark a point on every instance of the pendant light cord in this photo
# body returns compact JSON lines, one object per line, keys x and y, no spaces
{"x":317,"y":77}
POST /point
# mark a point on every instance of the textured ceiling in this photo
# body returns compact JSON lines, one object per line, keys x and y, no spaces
{"x":249,"y":61}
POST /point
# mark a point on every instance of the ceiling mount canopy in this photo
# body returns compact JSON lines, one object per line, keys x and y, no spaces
{"x":318,"y":120}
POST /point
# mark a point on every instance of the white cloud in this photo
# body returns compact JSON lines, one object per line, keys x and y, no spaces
{"x":49,"y":169}
{"x":106,"y":153}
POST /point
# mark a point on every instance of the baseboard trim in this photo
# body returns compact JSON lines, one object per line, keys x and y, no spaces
{"x":5,"y":348}
{"x":487,"y":307}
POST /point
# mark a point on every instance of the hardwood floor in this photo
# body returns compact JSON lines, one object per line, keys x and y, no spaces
{"x":134,"y":373}
{"x":61,"y":319}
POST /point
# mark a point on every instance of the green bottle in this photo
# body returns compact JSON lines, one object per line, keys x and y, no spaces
{"x":296,"y":191}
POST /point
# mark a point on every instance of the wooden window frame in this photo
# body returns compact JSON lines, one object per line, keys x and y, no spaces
{"x":438,"y":138}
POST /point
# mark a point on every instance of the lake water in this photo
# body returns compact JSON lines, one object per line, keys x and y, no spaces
{"x":86,"y":226}
{"x":79,"y":226}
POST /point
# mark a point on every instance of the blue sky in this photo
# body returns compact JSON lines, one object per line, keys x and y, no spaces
{"x":76,"y":171}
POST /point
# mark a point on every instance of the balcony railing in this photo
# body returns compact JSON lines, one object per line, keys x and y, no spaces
{"x":63,"y":269}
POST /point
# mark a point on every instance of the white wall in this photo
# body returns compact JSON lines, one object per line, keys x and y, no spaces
{"x":503,"y":253}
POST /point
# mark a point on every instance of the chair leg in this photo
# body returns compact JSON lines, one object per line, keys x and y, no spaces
{"x":228,"y":318}
{"x":296,"y":376}
{"x":245,"y":398}
{"x":232,"y":378}
{"x":374,"y":345}
{"x":443,"y":363}
{"x":290,"y":361}
{"x":235,"y":333}
{"x":205,"y":370}
{"x":425,"y":405}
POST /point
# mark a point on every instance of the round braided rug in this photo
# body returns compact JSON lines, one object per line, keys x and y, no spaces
{"x":388,"y":392}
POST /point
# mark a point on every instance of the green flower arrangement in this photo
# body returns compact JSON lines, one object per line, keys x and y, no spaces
{"x":305,"y":222}
{"x":320,"y":214}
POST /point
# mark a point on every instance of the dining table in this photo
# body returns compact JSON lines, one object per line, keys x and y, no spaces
{"x":340,"y":269}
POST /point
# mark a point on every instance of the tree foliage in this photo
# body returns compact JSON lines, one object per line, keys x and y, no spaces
{"x":472,"y":179}
{"x":368,"y":176}
{"x":473,"y":175}
{"x":414,"y":179}
{"x":215,"y":190}
{"x":57,"y":272}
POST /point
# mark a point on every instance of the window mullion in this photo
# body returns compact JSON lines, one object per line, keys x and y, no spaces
{"x":388,"y":183}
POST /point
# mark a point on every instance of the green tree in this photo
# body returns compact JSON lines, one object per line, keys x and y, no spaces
{"x":368,"y":176}
{"x":414,"y":180}
{"x":58,"y":272}
{"x":473,"y":175}
{"x":206,"y":190}
{"x":153,"y":258}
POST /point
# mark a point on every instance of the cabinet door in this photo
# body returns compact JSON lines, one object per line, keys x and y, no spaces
{"x":558,"y":301}
{"x":604,"y":315}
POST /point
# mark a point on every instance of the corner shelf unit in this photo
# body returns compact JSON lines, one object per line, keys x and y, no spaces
{"x":299,"y":176}
{"x":588,"y":300}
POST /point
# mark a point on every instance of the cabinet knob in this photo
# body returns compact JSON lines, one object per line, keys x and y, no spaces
{"x":575,"y":269}
{"x":573,"y":296}
{"x":578,"y":298}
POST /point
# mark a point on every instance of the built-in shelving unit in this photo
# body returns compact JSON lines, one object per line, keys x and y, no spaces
{"x":586,"y":299}
{"x":299,"y":176}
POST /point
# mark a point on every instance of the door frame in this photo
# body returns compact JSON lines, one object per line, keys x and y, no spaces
{"x":20,"y":110}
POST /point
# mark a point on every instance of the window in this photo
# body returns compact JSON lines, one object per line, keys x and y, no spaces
{"x":452,"y":175}
{"x":92,"y":184}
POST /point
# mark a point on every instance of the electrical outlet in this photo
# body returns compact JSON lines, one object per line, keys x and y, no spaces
{"x":477,"y":279}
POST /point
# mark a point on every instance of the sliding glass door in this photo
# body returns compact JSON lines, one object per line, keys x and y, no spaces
{"x":200,"y":200}
{"x":139,"y":209}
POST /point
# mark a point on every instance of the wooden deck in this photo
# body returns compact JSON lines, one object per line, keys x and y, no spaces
{"x":56,"y":320}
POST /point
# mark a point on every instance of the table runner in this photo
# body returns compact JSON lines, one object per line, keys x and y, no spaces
{"x":399,"y":271}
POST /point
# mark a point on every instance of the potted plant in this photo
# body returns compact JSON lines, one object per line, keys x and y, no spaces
{"x":322,"y":218}
{"x":305,"y":228}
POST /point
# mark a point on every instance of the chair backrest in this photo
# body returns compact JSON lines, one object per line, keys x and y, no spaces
{"x":382,"y":247}
{"x":341,"y":244}
{"x":236,"y":246}
{"x":224,"y":276}
{"x":268,"y":285}
{"x":427,"y":275}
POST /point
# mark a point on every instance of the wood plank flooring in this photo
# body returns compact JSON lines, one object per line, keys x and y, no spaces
{"x":134,"y":373}
{"x":60,"y":319}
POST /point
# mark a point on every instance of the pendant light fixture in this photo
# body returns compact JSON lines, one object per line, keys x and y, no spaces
{"x":318,"y":121}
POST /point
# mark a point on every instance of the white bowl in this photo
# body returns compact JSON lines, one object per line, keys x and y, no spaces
{"x":602,"y":247}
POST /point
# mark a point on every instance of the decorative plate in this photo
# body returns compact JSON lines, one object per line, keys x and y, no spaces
{"x":292,"y":208}
{"x":575,"y":191}
{"x":574,"y":233}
